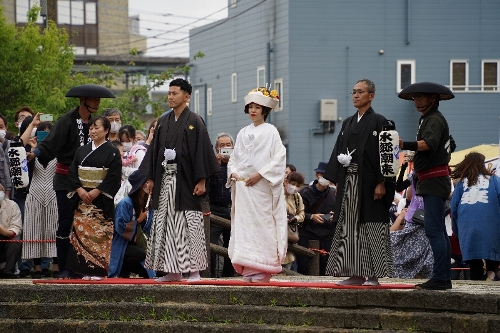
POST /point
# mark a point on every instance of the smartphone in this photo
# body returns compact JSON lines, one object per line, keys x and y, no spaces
{"x":40,"y":135}
{"x":326,"y":217}
{"x":226,"y":152}
{"x":46,"y":117}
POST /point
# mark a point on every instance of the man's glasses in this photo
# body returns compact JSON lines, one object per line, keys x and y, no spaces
{"x":357,"y":92}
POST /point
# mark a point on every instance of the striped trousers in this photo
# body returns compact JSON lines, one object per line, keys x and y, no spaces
{"x":177,"y":238}
{"x":362,"y":249}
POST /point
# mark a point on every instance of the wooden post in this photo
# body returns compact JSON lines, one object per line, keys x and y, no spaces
{"x":206,"y":222}
{"x":313,"y":268}
{"x":52,"y":10}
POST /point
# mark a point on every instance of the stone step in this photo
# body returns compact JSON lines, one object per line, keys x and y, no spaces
{"x":369,"y":318}
{"x":372,"y":318}
{"x":208,"y":308}
{"x":154,"y":326}
{"x":399,"y":300}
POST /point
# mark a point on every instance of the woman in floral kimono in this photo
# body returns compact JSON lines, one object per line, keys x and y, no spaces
{"x":95,"y":178}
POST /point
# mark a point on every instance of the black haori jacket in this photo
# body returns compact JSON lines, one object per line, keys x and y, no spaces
{"x":369,"y":172}
{"x":195,"y":157}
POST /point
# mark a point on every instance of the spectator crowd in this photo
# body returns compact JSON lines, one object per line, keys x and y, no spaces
{"x":89,"y":197}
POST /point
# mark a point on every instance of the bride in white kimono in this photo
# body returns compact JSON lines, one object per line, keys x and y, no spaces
{"x":256,"y":168}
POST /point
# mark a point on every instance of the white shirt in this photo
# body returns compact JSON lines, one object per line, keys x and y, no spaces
{"x":10,"y":216}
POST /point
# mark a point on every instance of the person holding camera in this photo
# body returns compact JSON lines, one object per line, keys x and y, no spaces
{"x":319,"y":205}
{"x":220,"y":202}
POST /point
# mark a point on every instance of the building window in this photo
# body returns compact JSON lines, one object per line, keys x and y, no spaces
{"x":90,"y":13}
{"x":196,"y":106}
{"x":405,"y":74}
{"x":70,"y":12}
{"x":278,"y":86}
{"x":459,"y":75}
{"x":261,"y":76}
{"x":232,"y":3}
{"x":79,"y":50}
{"x":490,"y":76}
{"x":22,"y":7}
{"x":209,"y":101}
{"x":234,"y":87}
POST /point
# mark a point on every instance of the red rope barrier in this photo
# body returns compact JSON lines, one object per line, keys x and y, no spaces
{"x":28,"y":240}
{"x":321,"y":251}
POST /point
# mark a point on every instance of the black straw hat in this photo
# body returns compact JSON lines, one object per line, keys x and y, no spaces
{"x":426,"y":88}
{"x":90,"y":90}
{"x":136,"y":179}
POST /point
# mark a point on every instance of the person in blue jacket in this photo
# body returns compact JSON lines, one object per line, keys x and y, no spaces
{"x":475,"y":215}
{"x":130,"y":214}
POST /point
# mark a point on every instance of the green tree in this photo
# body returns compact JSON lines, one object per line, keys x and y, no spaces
{"x":35,"y":66}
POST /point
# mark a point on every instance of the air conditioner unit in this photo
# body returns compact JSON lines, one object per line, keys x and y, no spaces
{"x":328,"y":110}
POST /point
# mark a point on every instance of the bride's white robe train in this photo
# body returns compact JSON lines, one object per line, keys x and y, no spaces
{"x":259,"y":229}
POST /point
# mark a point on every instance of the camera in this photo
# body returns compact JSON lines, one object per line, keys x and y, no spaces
{"x":409,"y":154}
{"x":226,"y":152}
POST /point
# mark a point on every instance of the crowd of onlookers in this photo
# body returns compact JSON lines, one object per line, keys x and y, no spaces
{"x":97,"y":220}
{"x":29,"y":214}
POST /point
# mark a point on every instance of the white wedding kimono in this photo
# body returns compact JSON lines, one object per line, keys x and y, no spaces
{"x":259,"y":229}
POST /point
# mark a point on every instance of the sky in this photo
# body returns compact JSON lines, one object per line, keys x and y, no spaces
{"x":166,"y":23}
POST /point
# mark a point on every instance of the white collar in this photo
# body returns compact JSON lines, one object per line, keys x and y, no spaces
{"x":359,"y":117}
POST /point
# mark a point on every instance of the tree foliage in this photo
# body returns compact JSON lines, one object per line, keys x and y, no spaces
{"x":37,"y":70}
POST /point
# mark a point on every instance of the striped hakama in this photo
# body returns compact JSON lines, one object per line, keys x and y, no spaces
{"x":40,"y":215}
{"x":361,"y":249}
{"x":177,"y":238}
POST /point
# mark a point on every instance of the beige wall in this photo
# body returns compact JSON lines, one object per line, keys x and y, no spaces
{"x":113,"y":27}
{"x":9,"y":9}
{"x":139,"y":42}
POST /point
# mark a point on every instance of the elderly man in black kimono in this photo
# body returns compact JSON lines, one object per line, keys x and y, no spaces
{"x":179,"y":160}
{"x":69,"y":133}
{"x":361,"y":246}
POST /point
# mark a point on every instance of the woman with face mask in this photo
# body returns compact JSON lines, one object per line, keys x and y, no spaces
{"x":294,"y":207}
{"x":134,"y":153}
{"x":319,"y":205}
{"x":40,"y":209}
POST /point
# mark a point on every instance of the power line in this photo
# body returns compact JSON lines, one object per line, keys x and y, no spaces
{"x":208,"y":28}
{"x":179,"y":27}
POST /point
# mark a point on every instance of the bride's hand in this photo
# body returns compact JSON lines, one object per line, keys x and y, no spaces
{"x":253,"y":179}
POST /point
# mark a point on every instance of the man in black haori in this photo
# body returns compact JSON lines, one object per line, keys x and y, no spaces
{"x":69,"y":133}
{"x":179,"y":160}
{"x":361,"y":247}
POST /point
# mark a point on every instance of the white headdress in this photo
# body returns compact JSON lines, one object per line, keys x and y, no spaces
{"x":263,"y":96}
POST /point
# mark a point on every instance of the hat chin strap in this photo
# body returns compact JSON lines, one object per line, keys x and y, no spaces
{"x":89,"y":107}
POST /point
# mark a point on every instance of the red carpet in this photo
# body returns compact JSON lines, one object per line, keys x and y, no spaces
{"x":213,"y":282}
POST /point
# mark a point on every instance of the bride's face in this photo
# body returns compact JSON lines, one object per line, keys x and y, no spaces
{"x":255,"y":113}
